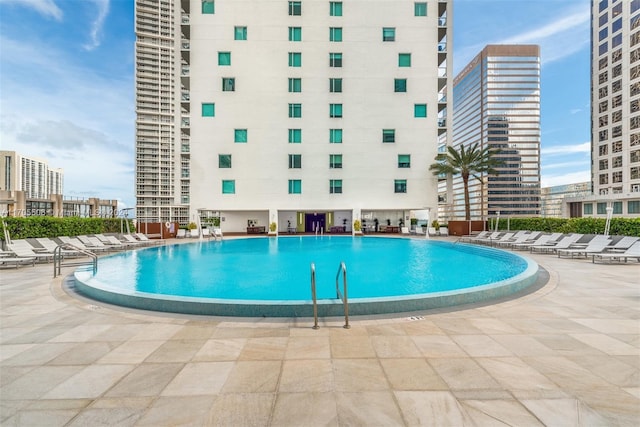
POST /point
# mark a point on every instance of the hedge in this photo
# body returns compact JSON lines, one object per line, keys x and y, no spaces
{"x":47,"y":226}
{"x":618,"y":227}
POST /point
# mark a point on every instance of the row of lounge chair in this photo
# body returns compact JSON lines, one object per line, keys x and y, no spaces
{"x":598,"y":247}
{"x":29,"y":251}
{"x":418,"y":230}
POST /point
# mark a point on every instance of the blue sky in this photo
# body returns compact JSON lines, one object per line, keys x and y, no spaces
{"x":66,"y":83}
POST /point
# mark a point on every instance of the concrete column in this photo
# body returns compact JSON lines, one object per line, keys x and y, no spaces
{"x":273,"y":218}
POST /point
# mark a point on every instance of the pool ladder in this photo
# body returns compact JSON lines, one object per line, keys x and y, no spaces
{"x":339,"y":295}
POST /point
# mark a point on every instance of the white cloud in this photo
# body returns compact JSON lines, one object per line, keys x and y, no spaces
{"x":566,"y":178}
{"x":97,"y":24}
{"x":584,"y":147}
{"x":47,"y":8}
{"x":566,"y":33}
{"x":575,"y":111}
{"x":563,"y":165}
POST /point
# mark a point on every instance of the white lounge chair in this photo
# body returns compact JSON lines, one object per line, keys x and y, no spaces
{"x":419,"y":230}
{"x":595,"y":245}
{"x":16,"y":261}
{"x":432,"y":231}
{"x":217,"y":232}
{"x":623,"y":244}
{"x":50,"y":246}
{"x":516,"y":239}
{"x":92,"y":243}
{"x":143,"y":238}
{"x":480,"y":235}
{"x":73,"y":242}
{"x":22,"y":249}
{"x":181,"y":233}
{"x":444,"y":231}
{"x":128,"y":238}
{"x":632,"y":253}
{"x":543,"y":239}
{"x":405,"y":230}
{"x":564,"y":243}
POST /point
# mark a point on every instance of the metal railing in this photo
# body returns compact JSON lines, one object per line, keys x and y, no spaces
{"x":345,"y":300}
{"x":58,"y":257}
{"x":343,"y":296}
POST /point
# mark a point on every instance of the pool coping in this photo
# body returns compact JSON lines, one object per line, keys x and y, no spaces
{"x":304,"y":308}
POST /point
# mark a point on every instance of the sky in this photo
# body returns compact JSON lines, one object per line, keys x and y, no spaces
{"x":67,"y":83}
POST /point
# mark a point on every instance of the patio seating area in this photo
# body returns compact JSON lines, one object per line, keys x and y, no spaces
{"x":566,"y":353}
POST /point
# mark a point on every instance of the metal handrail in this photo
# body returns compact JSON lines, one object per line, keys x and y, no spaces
{"x":314,"y":297}
{"x":58,"y":257}
{"x":345,"y":300}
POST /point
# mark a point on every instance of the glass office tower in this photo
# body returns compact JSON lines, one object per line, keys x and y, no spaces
{"x":496,"y":103}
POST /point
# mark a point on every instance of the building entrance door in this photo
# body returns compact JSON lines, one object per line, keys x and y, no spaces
{"x":315,"y":221}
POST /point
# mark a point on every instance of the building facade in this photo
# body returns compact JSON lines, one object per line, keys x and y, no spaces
{"x":496,"y":103}
{"x":615,"y":111}
{"x":310,"y":114}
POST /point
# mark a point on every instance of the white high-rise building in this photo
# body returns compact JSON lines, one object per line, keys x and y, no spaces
{"x":31,"y":175}
{"x":308,"y":114}
{"x":615,"y":112}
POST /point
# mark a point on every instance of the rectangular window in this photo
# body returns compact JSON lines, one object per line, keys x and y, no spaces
{"x":295,"y":136}
{"x":335,"y":8}
{"x":295,"y":8}
{"x":617,"y":208}
{"x":616,"y":41}
{"x":420,"y":9}
{"x":388,"y":135}
{"x":224,"y":161}
{"x":295,"y":186}
{"x":399,"y":85}
{"x":335,"y":136}
{"x":400,"y":186}
{"x":228,"y":84}
{"x":603,"y":34}
{"x":587,"y":209}
{"x":404,"y":60}
{"x":240,"y":135}
{"x":335,"y":34}
{"x":404,"y":160}
{"x":229,"y":186}
{"x":208,"y":110}
{"x":208,"y":7}
{"x":601,"y":208}
{"x":633,"y":206}
{"x":295,"y":34}
{"x":295,"y":85}
{"x":295,"y":161}
{"x":335,"y":85}
{"x":603,"y":48}
{"x":335,"y":110}
{"x":420,"y":110}
{"x":335,"y":60}
{"x":224,"y":58}
{"x":295,"y":59}
{"x":239,"y":33}
{"x":335,"y":161}
{"x":335,"y":186}
{"x":295,"y":110}
{"x":388,"y":34}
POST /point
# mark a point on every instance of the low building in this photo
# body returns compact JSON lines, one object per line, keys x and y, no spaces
{"x":552,"y":198}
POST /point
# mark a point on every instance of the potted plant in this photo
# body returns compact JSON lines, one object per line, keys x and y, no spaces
{"x":435,"y":224}
{"x":357,"y":227}
{"x":272,"y":228}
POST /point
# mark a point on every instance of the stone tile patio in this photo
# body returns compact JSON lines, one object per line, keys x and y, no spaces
{"x":567,"y":354}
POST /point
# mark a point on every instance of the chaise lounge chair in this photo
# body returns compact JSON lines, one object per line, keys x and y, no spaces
{"x":16,"y":261}
{"x":22,"y":249}
{"x":595,"y":245}
{"x":632,"y":253}
{"x":564,"y":243}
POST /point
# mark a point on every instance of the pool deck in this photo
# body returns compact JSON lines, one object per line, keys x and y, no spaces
{"x":566,"y":354}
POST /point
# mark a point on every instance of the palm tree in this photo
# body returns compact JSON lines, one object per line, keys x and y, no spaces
{"x":468,"y":162}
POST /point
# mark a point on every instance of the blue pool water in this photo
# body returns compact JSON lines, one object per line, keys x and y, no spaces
{"x":278,"y":269}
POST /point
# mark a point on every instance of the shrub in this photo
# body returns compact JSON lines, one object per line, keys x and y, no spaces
{"x":47,"y":226}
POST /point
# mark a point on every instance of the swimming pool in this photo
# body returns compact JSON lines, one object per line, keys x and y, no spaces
{"x":271,"y":276}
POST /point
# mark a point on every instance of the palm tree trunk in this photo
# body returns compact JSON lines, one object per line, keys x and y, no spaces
{"x":467,"y":207}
